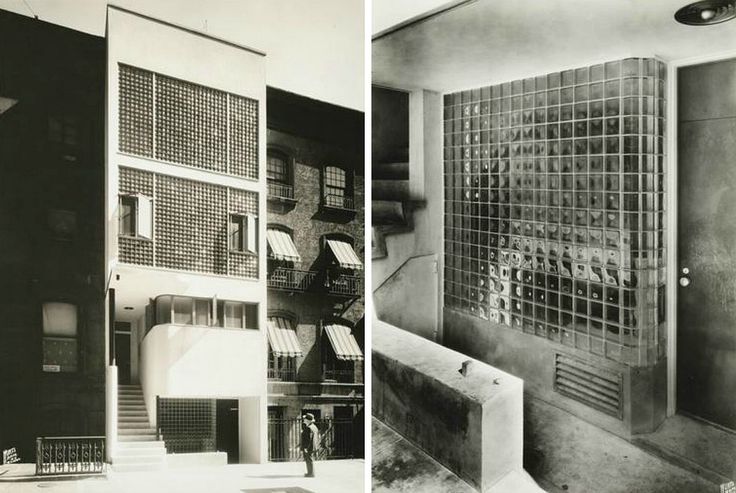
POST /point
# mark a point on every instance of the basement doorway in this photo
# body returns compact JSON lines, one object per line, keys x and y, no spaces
{"x":227,"y":433}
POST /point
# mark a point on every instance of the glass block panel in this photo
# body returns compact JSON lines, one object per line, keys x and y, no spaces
{"x":554,"y":224}
{"x":135,"y":111}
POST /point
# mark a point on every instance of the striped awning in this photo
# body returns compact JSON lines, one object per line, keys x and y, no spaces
{"x":282,"y":247}
{"x":345,"y":254}
{"x":343,"y":342}
{"x":282,"y":337}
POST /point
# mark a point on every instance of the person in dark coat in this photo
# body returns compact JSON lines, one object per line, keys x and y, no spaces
{"x":310,"y":442}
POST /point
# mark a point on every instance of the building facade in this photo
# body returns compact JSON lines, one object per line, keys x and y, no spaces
{"x":52,"y":357}
{"x":185,"y":247}
{"x":315,"y":273}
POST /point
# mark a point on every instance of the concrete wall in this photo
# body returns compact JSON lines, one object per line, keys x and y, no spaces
{"x":418,"y":279}
{"x":426,"y":182}
{"x":532,"y":358}
{"x":471,"y":423}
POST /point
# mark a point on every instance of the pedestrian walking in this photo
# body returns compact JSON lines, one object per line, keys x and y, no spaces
{"x":310,"y":442}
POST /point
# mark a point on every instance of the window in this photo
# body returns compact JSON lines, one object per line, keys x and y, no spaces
{"x":64,"y":130}
{"x":184,"y":310}
{"x":281,"y":367}
{"x":243,"y":233}
{"x":59,"y":337}
{"x":336,"y":191}
{"x":136,"y":216}
{"x":277,"y":168}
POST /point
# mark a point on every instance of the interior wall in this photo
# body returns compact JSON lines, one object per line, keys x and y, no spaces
{"x":554,"y":212}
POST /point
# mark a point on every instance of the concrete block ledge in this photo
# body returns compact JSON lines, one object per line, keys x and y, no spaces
{"x":470,"y":420}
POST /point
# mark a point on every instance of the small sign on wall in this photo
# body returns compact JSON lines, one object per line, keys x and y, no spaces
{"x":10,"y":456}
{"x":52,"y":368}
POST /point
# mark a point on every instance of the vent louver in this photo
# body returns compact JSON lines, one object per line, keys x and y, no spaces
{"x":598,"y":388}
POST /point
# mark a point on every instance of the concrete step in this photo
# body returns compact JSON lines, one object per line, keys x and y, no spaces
{"x":143,"y":467}
{"x":387,"y":212}
{"x":390,"y":189}
{"x":141,"y":451}
{"x":136,"y":438}
{"x":138,"y":418}
{"x":390,"y":171}
{"x":134,"y":425}
{"x":142,"y":444}
{"x":138,"y":459}
{"x":137,"y":431}
{"x":131,"y":407}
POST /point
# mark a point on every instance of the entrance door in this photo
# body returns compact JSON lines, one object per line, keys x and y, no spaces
{"x":706,"y":305}
{"x":227,"y":433}
{"x":122,"y":353}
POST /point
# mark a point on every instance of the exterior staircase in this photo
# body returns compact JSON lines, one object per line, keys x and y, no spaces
{"x":138,"y":447}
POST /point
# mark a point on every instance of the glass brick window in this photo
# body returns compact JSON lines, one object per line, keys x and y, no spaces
{"x":554,"y":207}
{"x":60,"y":327}
{"x":194,"y":125}
{"x":337,"y":191}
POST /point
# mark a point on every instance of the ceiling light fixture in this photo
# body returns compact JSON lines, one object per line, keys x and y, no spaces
{"x":707,"y":12}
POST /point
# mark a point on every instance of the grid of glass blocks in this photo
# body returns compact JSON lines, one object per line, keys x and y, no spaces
{"x":554,"y":207}
{"x":135,"y":116}
{"x":194,"y":125}
{"x":244,"y":137}
{"x":191,"y":124}
{"x":190,"y":225}
{"x":187,"y":425}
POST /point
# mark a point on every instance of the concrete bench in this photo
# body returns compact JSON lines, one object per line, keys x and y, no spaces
{"x":470,"y":421}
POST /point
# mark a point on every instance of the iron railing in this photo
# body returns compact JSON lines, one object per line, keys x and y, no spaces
{"x":340,"y":376}
{"x":282,"y":374}
{"x":338,"y":201}
{"x":346,"y":285}
{"x":290,"y":279}
{"x":70,"y":455}
{"x":280,"y":191}
{"x":337,"y":440}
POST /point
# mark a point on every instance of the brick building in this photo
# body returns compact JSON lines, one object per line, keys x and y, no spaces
{"x":52,"y":342}
{"x":315,"y":270}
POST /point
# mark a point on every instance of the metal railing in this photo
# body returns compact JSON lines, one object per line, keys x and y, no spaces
{"x":346,"y":285}
{"x":280,"y":190}
{"x":282,"y":374}
{"x":70,"y":455}
{"x":338,"y":201}
{"x":290,"y":279}
{"x":340,"y":376}
{"x":337,"y":439}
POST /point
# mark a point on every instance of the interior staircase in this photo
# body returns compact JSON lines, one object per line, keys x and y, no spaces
{"x":138,"y":447}
{"x":391,"y":204}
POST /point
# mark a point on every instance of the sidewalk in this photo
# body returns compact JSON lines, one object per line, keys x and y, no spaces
{"x":338,"y":476}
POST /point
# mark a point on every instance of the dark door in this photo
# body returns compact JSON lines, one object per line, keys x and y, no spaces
{"x":122,"y":356}
{"x":227,"y":433}
{"x":706,"y":307}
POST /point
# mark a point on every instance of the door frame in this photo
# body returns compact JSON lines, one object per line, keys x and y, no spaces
{"x":672,"y":163}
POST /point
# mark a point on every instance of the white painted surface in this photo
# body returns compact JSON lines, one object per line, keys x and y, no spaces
{"x":208,"y":362}
{"x":111,"y":411}
{"x":185,"y":461}
{"x":488,"y":42}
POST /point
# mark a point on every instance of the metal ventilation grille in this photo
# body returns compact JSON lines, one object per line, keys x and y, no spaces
{"x":595,"y":387}
{"x":707,"y":12}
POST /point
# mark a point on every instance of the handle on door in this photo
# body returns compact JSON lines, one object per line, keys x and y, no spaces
{"x":685,"y":278}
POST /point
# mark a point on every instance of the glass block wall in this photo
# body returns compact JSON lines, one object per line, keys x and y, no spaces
{"x":176,"y":121}
{"x":554,"y":207}
{"x":190,"y":225}
{"x":187,"y":425}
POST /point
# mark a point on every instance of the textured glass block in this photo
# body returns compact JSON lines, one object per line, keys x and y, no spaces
{"x":135,"y":118}
{"x":557,"y":209}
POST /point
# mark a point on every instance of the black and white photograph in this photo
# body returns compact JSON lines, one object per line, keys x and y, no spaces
{"x":553,"y":223}
{"x":182,"y":246}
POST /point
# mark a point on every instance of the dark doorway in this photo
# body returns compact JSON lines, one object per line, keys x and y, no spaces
{"x":706,"y":339}
{"x":122,"y":351}
{"x":228,"y":430}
